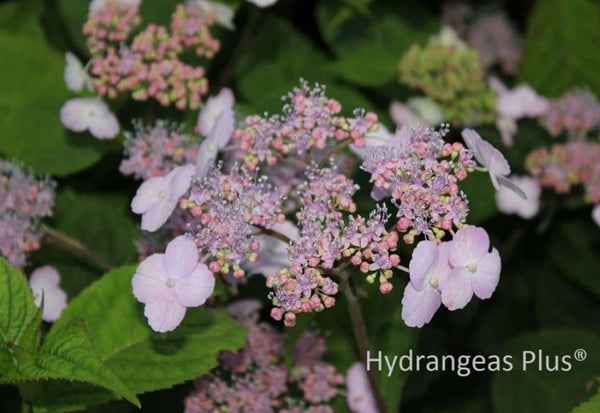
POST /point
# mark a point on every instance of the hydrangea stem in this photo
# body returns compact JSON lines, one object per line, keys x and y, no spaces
{"x":336,"y":149}
{"x":360,"y":334}
{"x":55,"y":237}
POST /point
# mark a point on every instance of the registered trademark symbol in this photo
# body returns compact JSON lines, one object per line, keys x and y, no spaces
{"x":580,"y":354}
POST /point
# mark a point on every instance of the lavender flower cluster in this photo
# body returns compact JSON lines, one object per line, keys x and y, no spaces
{"x":256,"y":379}
{"x":24,"y":200}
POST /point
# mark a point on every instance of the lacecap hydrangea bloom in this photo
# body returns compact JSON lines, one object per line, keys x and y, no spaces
{"x":24,"y":201}
{"x":229,"y":208}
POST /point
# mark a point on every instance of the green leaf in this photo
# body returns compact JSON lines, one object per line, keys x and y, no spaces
{"x":68,"y":353}
{"x":560,"y":46}
{"x":481,"y":195}
{"x":22,"y":17}
{"x":576,"y":255}
{"x":360,"y":5}
{"x":532,"y":390}
{"x":19,"y":318}
{"x":30,"y":105}
{"x":101,"y":221}
{"x":75,"y":13}
{"x":290,"y":57}
{"x":144,"y":360}
{"x":373,"y":60}
{"x":391,"y":27}
{"x":591,"y":406}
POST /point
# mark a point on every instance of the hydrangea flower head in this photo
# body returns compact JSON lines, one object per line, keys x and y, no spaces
{"x":359,"y":394}
{"x":576,"y":112}
{"x":451,"y":75}
{"x":428,"y":268}
{"x":157,"y":197}
{"x":24,"y":200}
{"x":169,"y":283}
{"x":44,"y":283}
{"x":80,"y":114}
{"x":475,"y":270}
{"x":566,"y":165}
{"x":509,"y":202}
{"x":75,"y":75}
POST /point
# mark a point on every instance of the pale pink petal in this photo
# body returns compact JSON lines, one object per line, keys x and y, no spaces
{"x":72,"y":115}
{"x":596,"y":214}
{"x":75,"y":76}
{"x":473,"y":141}
{"x":418,"y":307}
{"x":439,"y":272}
{"x":207,"y":154}
{"x":180,"y":179}
{"x":181,"y":257}
{"x":263,"y":3}
{"x":456,"y":289}
{"x":44,"y":283}
{"x":468,"y":246}
{"x":105,"y":126}
{"x":497,"y":85}
{"x":424,"y":257}
{"x":164,"y":314}
{"x":193,"y":290}
{"x":149,"y":193}
{"x":510,"y":202}
{"x":45,"y":277}
{"x":486,"y":277}
{"x":223,"y":128}
{"x":360,"y":397}
{"x":55,"y":301}
{"x":214,"y":106}
{"x":157,"y":215}
{"x":507,"y":128}
{"x":149,"y":280}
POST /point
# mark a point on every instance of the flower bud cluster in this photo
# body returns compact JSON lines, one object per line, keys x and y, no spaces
{"x":567,"y":165}
{"x":575,"y":113}
{"x":228,"y":209}
{"x":310,"y":121}
{"x":421,"y":176}
{"x":156,"y":150}
{"x":150,"y":67}
{"x":454,"y":77}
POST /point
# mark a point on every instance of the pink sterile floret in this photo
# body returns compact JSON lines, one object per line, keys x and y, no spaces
{"x":168,"y":283}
